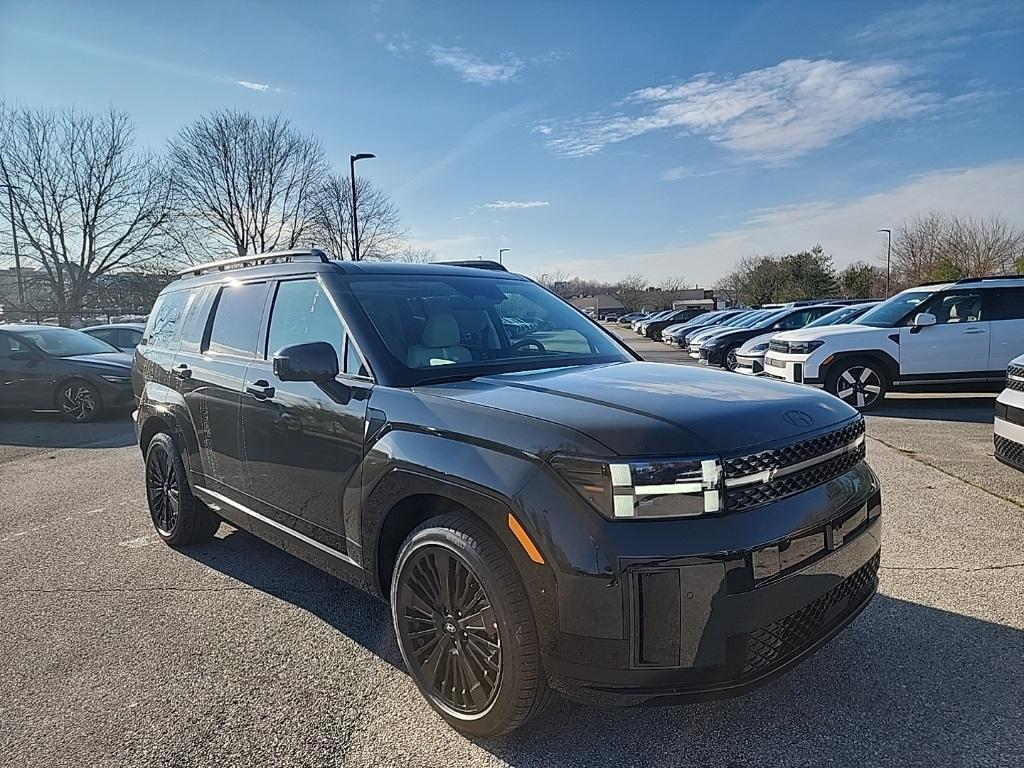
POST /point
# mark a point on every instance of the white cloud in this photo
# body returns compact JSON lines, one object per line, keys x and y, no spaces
{"x":774,"y":114}
{"x":943,"y":22}
{"x":516,"y":204}
{"x":261,"y":87}
{"x":472,"y":69}
{"x":846,"y":229}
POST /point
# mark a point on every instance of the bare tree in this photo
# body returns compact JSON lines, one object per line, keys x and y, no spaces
{"x":86,"y":202}
{"x":410,"y":254}
{"x":243,"y":183}
{"x":380,"y":230}
{"x":632,"y":292}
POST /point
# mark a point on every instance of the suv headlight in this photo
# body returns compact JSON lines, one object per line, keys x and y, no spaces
{"x":762,"y":347}
{"x":646,"y":488}
{"x":803,"y":347}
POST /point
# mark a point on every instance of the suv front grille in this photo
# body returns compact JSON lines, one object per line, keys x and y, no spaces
{"x":1009,"y":451}
{"x":778,"y":458}
{"x":1015,"y":377}
{"x":777,"y":642}
{"x":740,"y":499}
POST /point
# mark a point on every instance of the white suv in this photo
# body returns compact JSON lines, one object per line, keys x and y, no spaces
{"x":943,"y":336}
{"x":1009,"y":422}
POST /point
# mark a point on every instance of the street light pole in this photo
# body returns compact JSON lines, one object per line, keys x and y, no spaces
{"x":355,"y":217}
{"x":14,"y":242}
{"x":888,"y":258}
{"x":501,"y":251}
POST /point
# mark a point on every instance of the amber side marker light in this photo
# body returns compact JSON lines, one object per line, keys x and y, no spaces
{"x":524,"y":538}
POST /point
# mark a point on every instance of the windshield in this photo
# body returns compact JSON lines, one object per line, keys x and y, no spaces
{"x":65,"y":342}
{"x":838,"y":316}
{"x":469,"y":326}
{"x":890,"y":312}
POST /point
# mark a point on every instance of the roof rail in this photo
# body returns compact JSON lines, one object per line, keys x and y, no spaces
{"x":477,"y":264}
{"x":274,"y":257}
{"x":989,"y":277}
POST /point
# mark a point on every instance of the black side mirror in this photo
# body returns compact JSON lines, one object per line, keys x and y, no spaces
{"x":316,"y":361}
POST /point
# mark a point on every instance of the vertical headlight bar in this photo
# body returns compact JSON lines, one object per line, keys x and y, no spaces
{"x":648,"y":488}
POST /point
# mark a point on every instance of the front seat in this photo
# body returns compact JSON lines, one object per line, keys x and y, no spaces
{"x":440,"y":344}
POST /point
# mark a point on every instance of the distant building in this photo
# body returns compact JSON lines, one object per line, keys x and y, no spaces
{"x":602,"y":303}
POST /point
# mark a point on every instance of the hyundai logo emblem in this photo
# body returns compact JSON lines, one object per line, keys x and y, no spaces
{"x":798,"y":418}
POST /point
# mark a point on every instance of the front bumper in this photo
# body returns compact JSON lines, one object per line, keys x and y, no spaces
{"x":750,"y":365}
{"x":1008,"y":429}
{"x":669,"y":611}
{"x":792,"y":368}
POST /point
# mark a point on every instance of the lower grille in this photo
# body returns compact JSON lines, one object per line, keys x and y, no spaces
{"x":776,"y":643}
{"x":1009,"y":451}
{"x":1015,"y":377}
{"x":739,"y":499}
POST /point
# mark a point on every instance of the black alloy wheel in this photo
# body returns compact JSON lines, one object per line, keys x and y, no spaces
{"x":78,"y":401}
{"x":449,"y":625}
{"x":731,"y":362}
{"x":178,"y":516}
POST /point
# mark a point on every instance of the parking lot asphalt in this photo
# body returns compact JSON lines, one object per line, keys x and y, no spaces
{"x":116,"y":650}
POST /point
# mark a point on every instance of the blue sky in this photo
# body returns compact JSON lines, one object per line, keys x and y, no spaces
{"x":600,"y":138}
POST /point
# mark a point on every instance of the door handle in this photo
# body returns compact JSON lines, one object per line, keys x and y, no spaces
{"x":183,"y":371}
{"x":972,"y":331}
{"x":261,"y":389}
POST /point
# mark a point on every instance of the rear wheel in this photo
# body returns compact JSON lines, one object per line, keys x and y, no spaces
{"x":465,"y":628}
{"x":79,"y":401}
{"x":179,"y":517}
{"x":861,"y":383}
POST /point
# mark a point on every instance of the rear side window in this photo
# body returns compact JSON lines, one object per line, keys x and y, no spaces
{"x":302,"y":313}
{"x":128,"y":337}
{"x":196,"y":317}
{"x":236,"y":319}
{"x":1004,"y":304}
{"x":165,"y":319}
{"x":105,"y":334}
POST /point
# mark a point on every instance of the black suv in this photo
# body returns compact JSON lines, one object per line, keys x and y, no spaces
{"x":543,"y":511}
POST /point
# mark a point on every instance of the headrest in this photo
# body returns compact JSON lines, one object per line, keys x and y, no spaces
{"x":441,"y":330}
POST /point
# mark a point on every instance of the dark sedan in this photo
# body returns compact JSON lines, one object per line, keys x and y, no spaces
{"x":721,"y":349}
{"x":44,"y":367}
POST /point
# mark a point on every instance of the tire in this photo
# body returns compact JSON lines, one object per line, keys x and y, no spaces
{"x":495,"y":665}
{"x":178,"y":517}
{"x":79,"y":401}
{"x":729,"y":361}
{"x":858,"y":382}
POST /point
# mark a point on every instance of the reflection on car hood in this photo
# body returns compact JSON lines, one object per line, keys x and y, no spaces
{"x":810,"y":334}
{"x":643,"y":408}
{"x":110,"y":359}
{"x":749,"y":345}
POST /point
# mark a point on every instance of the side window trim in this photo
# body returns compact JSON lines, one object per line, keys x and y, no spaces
{"x":261,"y":334}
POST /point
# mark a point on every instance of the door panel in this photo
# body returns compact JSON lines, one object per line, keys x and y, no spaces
{"x":25,"y":383}
{"x":958,"y":343}
{"x":304,"y":442}
{"x":1005,"y":310}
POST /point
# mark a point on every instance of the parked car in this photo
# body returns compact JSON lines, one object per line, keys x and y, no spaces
{"x":654,"y":328}
{"x":640,"y":326}
{"x":696,"y":338}
{"x":947,"y":336}
{"x":628,"y":318}
{"x":45,"y":367}
{"x":750,"y":355}
{"x":721,"y":348}
{"x":1009,"y":420}
{"x":671,"y":334}
{"x":123,"y":336}
{"x":548,"y":512}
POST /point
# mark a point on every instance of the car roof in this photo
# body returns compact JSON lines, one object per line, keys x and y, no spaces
{"x":20,"y":327}
{"x":132,"y":326}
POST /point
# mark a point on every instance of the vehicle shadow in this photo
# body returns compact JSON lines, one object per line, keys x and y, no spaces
{"x":905,"y":684}
{"x":973,"y":409}
{"x":49,"y":430}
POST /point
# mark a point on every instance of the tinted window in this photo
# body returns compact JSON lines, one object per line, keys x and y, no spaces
{"x":236,"y":319}
{"x":64,"y":342}
{"x":9,"y":344}
{"x":196,"y":315}
{"x":1004,"y":304}
{"x":353,"y":363}
{"x":129,"y":337}
{"x":164,"y":320}
{"x":104,"y":334}
{"x":303,"y":313}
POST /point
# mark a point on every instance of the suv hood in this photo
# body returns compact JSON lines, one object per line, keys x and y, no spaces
{"x":104,"y":359}
{"x":638,"y":408}
{"x":810,"y":334}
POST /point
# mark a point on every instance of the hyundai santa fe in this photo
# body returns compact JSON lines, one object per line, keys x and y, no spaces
{"x":543,"y":513}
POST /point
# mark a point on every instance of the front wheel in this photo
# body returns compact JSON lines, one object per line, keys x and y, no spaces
{"x":729,"y":361}
{"x":79,"y":401}
{"x":465,"y":628}
{"x":860,"y":383}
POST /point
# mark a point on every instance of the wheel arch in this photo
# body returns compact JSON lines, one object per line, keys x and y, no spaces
{"x":890,"y":367}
